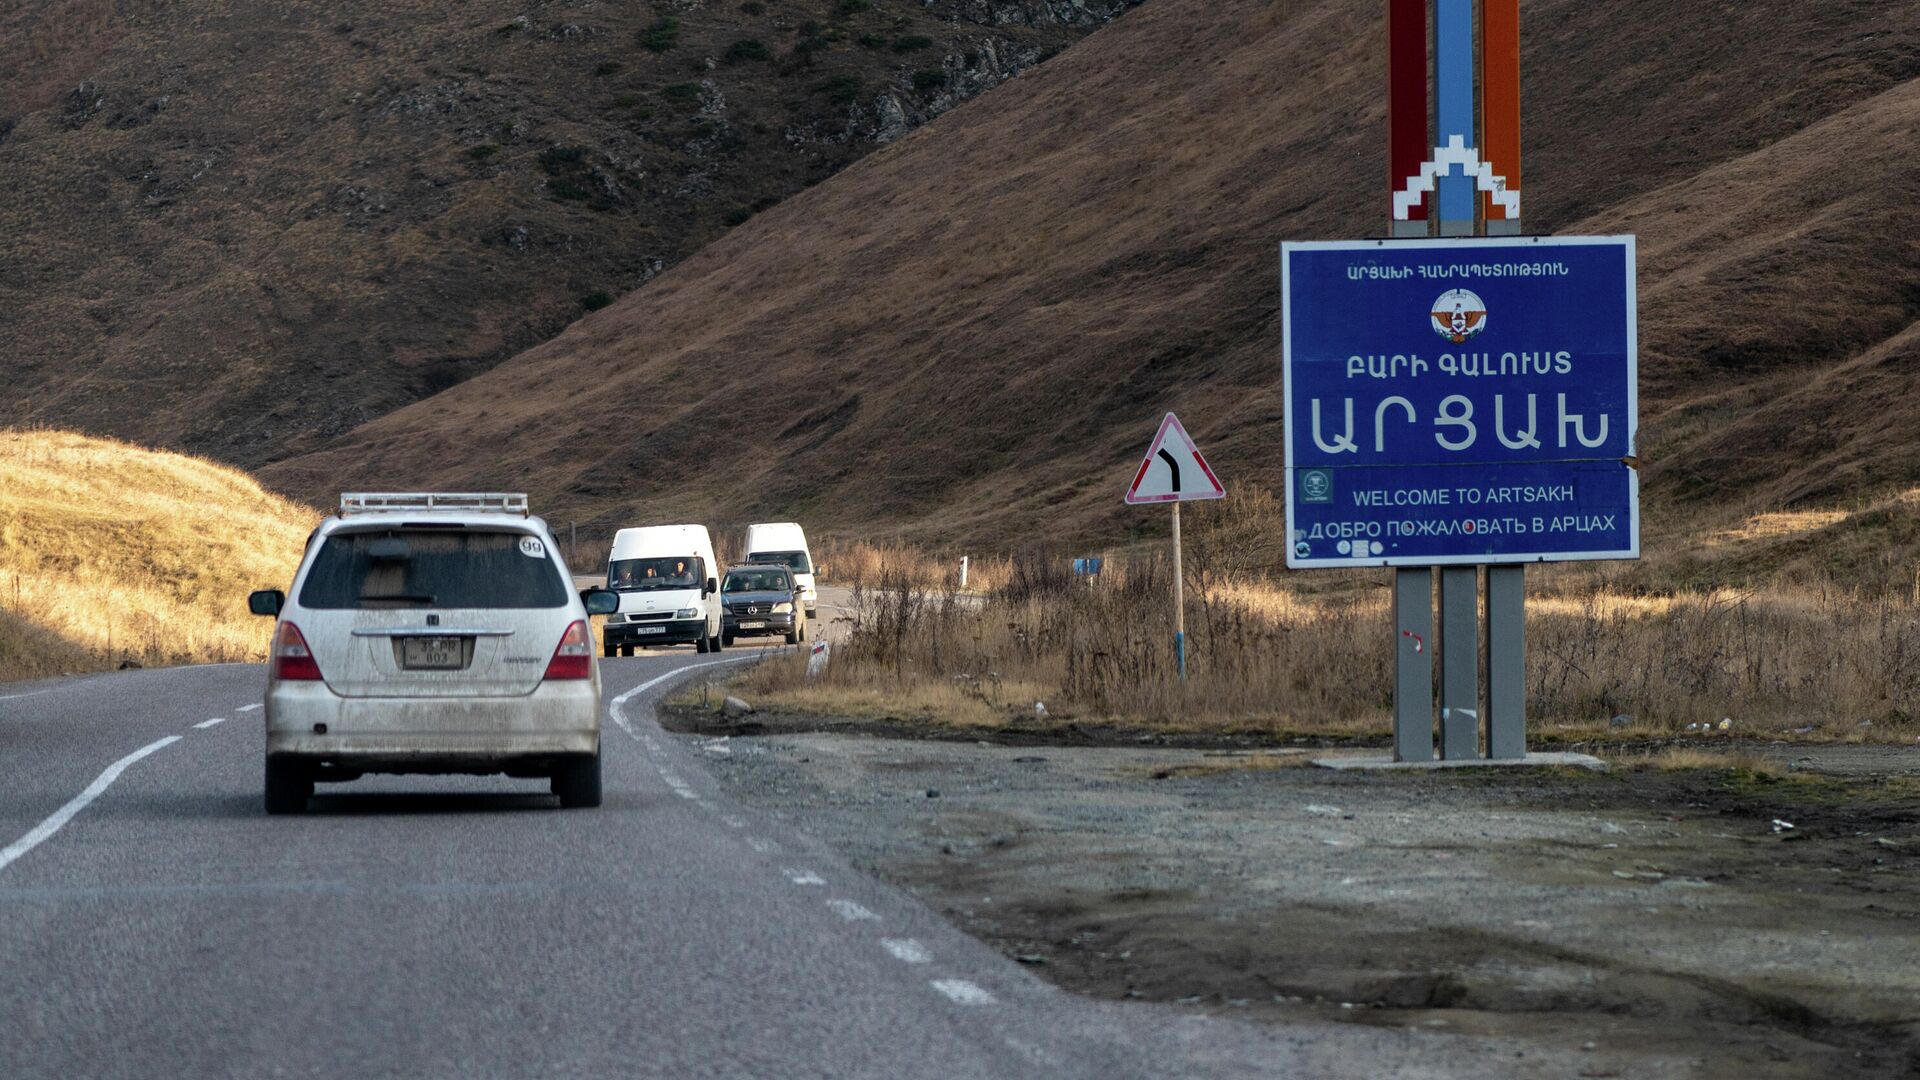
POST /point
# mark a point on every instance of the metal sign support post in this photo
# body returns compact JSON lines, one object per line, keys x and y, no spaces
{"x":1407,"y":147}
{"x":1179,"y":601}
{"x":1506,"y":585}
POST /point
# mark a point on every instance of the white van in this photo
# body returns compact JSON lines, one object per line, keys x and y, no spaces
{"x":785,"y":543}
{"x":669,"y":589}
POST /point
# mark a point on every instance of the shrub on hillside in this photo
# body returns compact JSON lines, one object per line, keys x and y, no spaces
{"x":664,"y":34}
{"x":747,"y":49}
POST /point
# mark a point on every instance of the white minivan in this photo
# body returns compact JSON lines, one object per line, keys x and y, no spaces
{"x":669,"y":589}
{"x":785,"y":543}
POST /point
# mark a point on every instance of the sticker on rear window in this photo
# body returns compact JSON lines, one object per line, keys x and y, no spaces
{"x":532,"y":548}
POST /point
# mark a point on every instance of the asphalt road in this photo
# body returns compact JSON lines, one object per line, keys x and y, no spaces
{"x":467,"y":927}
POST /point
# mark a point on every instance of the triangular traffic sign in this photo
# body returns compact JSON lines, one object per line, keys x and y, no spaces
{"x":1173,"y":470}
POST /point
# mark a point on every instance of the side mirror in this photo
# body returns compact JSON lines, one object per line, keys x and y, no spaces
{"x":600,"y":601}
{"x":266,"y":602}
{"x":713,"y":586}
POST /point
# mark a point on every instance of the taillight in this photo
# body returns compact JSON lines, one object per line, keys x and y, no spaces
{"x":291,"y":657}
{"x":573,"y":659}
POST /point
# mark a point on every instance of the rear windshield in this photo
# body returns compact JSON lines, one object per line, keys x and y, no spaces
{"x":443,"y":568}
{"x":757,"y":581}
{"x":642,"y":575}
{"x":793,"y":560}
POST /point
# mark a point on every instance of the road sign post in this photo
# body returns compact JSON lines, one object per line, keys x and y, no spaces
{"x":1174,"y":472}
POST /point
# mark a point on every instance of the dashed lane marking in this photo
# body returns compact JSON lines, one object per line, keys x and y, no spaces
{"x":963,"y":992}
{"x":210,"y":723}
{"x":79,"y":802}
{"x":907,"y":950}
{"x":803,"y":877}
{"x":762,"y":845}
{"x":851,"y":911}
{"x":248,"y":708}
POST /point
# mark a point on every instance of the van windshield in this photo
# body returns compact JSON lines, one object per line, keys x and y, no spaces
{"x":442,"y":568}
{"x":643,"y":575}
{"x":796,"y":561}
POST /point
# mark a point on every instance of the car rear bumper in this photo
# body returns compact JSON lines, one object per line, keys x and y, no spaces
{"x":309,"y":721}
{"x":774,"y":624}
{"x":667,"y":633}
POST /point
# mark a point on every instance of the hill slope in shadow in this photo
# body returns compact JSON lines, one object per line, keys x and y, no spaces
{"x":970,"y":335}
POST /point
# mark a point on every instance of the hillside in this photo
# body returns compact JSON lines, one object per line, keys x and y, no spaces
{"x":236,"y":227}
{"x":969,"y":335}
{"x":110,"y":553}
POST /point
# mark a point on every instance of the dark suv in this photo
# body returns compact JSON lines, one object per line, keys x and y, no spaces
{"x":759,"y":599}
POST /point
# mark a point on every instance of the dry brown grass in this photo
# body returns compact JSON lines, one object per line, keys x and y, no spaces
{"x":1794,"y":658}
{"x":864,"y":563}
{"x":111,"y":553}
{"x":1691,"y":758}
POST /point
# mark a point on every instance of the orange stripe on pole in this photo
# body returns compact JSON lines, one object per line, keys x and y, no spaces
{"x":1500,"y":95}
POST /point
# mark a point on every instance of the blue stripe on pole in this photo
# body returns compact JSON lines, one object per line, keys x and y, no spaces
{"x":1453,"y":76}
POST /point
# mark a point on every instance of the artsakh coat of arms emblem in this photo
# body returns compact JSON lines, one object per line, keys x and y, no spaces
{"x":1459,"y":316}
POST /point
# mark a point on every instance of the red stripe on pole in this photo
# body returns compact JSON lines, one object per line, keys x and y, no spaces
{"x":1500,"y":97}
{"x":1409,"y":144}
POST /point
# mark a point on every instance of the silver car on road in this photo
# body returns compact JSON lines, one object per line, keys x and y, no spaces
{"x":432,"y":633}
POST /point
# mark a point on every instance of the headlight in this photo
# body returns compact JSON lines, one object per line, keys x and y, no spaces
{"x":687,"y":613}
{"x":783,"y":609}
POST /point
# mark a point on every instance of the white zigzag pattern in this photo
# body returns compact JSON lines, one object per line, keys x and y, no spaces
{"x":1456,"y":152}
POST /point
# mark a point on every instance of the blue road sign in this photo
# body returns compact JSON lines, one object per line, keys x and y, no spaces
{"x":1461,"y":401}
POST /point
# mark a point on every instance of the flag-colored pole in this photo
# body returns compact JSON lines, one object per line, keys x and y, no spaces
{"x":1453,"y":67}
{"x":1409,"y":119}
{"x":1500,"y":110}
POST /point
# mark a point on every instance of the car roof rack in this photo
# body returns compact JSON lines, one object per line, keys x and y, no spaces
{"x":446,"y":502}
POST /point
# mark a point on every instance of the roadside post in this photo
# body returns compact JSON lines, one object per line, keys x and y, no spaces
{"x":1174,"y":472}
{"x":1459,"y":402}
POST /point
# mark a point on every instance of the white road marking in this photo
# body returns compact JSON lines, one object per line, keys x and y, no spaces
{"x":907,"y":950}
{"x":31,"y":693}
{"x":963,"y":992}
{"x":762,"y":845}
{"x":851,"y":911}
{"x":248,"y":708}
{"x":615,"y":707}
{"x":733,"y":822}
{"x":803,"y":877}
{"x":78,"y":803}
{"x":210,"y":723}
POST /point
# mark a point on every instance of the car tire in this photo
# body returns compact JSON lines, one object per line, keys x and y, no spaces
{"x":793,"y":636}
{"x":705,"y":644}
{"x":289,"y":786}
{"x":627,"y":650}
{"x":577,"y":781}
{"x":611,"y":650}
{"x":726,"y":640}
{"x":714,"y":643}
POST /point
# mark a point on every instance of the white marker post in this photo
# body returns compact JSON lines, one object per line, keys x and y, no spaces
{"x":1174,"y":472}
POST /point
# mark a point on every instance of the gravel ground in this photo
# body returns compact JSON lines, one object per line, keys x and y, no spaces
{"x":1636,"y":923}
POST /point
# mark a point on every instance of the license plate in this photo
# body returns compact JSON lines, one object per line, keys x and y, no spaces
{"x":649,"y":629}
{"x":431,"y":653}
{"x":753,"y":626}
